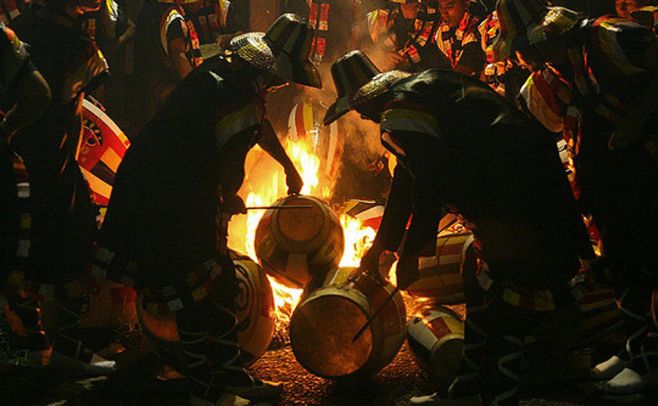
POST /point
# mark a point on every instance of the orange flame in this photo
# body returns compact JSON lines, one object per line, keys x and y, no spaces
{"x":265,"y":182}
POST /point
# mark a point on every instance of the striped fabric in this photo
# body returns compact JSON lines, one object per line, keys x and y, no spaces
{"x":451,"y":42}
{"x":248,"y":117}
{"x":422,"y":30}
{"x":176,"y":15}
{"x":405,"y":119}
{"x":8,"y":11}
{"x":519,"y":21}
{"x":319,"y":19}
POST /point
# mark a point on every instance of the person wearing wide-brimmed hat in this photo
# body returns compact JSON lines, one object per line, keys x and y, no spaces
{"x":165,"y":225}
{"x":606,"y":109}
{"x":462,"y":148}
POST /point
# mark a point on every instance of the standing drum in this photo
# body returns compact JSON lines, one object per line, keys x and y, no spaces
{"x":294,"y":244}
{"x":442,"y":276}
{"x":436,"y":337}
{"x":254,"y":308}
{"x":324,"y":324}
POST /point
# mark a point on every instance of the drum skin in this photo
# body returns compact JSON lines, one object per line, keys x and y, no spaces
{"x":254,"y":308}
{"x":442,"y":276}
{"x":324,"y":324}
{"x":436,"y":337}
{"x":294,"y":244}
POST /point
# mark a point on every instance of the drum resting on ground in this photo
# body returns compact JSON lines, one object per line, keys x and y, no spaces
{"x":324,"y":325}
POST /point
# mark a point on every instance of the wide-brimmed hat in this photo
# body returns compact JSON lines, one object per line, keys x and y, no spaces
{"x":283,"y":50}
{"x":379,"y":85}
{"x":350,"y":72}
{"x":525,"y":22}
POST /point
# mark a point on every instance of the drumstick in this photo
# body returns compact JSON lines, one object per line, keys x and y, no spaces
{"x":279,"y":207}
{"x":375,"y":314}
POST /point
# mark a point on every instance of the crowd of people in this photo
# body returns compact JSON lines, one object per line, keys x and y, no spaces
{"x":470,"y":98}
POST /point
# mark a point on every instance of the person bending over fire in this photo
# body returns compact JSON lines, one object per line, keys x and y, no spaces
{"x":178,"y":183}
{"x":603,"y":95}
{"x":461,"y":147}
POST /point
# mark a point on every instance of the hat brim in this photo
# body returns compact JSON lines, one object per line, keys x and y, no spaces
{"x":376,"y":87}
{"x":340,"y":107}
{"x":254,"y":48}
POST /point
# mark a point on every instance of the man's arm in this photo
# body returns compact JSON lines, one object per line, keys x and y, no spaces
{"x":32,"y":99}
{"x":271,"y":144}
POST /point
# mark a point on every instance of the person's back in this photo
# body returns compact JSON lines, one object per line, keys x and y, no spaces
{"x":172,"y":169}
{"x":502,"y":172}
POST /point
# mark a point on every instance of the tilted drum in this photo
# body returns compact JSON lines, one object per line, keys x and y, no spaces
{"x":442,"y":276}
{"x":254,"y":308}
{"x":324,"y":324}
{"x":436,"y":337}
{"x":294,"y":244}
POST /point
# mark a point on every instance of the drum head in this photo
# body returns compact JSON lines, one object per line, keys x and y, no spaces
{"x":300,"y":224}
{"x":322,"y":331}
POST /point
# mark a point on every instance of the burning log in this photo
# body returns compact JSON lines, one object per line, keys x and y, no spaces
{"x":325,"y":322}
{"x":292,"y":245}
{"x":254,"y":308}
{"x":436,"y":337}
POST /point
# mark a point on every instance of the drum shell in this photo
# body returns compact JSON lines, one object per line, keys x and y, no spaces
{"x":600,"y":315}
{"x":294,"y":244}
{"x":436,"y":337}
{"x":254,"y":309}
{"x":322,"y":308}
{"x":102,"y":148}
{"x":442,"y":276}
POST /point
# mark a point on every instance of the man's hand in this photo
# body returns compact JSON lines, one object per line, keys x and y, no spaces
{"x":407,"y":271}
{"x":370,"y":261}
{"x":233,"y":204}
{"x":293,"y":180}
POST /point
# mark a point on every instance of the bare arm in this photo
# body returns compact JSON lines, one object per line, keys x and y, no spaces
{"x":271,"y":144}
{"x":178,"y":57}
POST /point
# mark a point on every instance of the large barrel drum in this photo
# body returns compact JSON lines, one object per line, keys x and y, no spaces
{"x":436,"y":337}
{"x":255,"y":311}
{"x":442,"y":276}
{"x":294,"y":244}
{"x":324,"y":324}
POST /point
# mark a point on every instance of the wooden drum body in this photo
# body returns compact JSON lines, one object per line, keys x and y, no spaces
{"x":436,"y":337}
{"x":254,"y":308}
{"x":294,"y":244}
{"x":324,"y":324}
{"x":442,"y":276}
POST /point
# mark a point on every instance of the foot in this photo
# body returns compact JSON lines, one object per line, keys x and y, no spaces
{"x":608,"y":369}
{"x":105,"y":367}
{"x":435,"y":400}
{"x":226,"y":399}
{"x":260,"y":390}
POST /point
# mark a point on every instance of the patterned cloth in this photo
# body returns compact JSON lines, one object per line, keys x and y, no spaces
{"x":412,"y":39}
{"x":454,"y":43}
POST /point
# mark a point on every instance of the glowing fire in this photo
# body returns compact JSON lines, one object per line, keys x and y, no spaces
{"x":264,"y":184}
